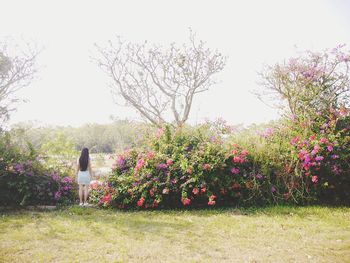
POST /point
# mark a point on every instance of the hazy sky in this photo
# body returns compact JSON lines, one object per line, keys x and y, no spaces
{"x":71,"y":90}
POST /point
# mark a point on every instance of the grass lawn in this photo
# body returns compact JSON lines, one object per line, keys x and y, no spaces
{"x":273,"y":234}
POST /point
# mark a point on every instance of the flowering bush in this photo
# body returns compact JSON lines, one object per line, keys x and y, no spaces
{"x":24,"y":180}
{"x":184,"y":168}
{"x":288,"y":162}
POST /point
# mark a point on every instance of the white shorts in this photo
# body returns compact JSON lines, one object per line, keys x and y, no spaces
{"x":84,"y":177}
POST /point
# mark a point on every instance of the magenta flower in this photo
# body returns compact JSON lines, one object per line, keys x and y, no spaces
{"x":330,"y":148}
{"x":235,"y":170}
{"x":162,"y":166}
{"x":259,"y":176}
{"x":295,"y":140}
{"x":57,"y":195}
{"x":67,"y":179}
{"x":319,"y":158}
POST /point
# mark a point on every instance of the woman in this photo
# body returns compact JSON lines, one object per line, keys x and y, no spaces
{"x":84,"y":175}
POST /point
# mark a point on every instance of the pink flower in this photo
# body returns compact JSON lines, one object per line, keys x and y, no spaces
{"x":323,"y":140}
{"x":238,"y":159}
{"x":169,"y":162}
{"x":141,"y":202}
{"x":244,"y":153}
{"x":212,"y":197}
{"x":319,"y":158}
{"x":186,"y":201}
{"x":165,"y":191}
{"x":195,"y":191}
{"x":94,"y":184}
{"x":106,"y":199}
{"x":140,"y":163}
{"x":203,"y":190}
{"x":211,"y":202}
{"x":206,"y":166}
{"x":330,"y":148}
{"x":315,"y":150}
{"x":295,"y":140}
{"x":314,"y":179}
{"x":151,"y":192}
{"x":235,"y":170}
{"x":155,"y":203}
{"x":234,"y":152}
{"x":150,"y":155}
{"x":312,"y":137}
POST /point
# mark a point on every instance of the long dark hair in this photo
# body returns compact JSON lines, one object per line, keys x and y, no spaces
{"x":84,"y":159}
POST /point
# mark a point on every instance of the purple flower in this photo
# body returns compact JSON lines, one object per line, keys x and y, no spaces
{"x":57,"y":195}
{"x":121,"y":161}
{"x":19,"y":167}
{"x":334,"y":156}
{"x":319,"y":158}
{"x":137,"y":183}
{"x":55,"y":176}
{"x":259,"y":176}
{"x":67,"y":179}
{"x":235,"y":170}
{"x":273,"y":189}
{"x":162,"y":166}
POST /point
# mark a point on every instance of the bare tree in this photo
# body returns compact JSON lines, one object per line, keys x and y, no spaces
{"x":17,"y":69}
{"x":160,"y":82}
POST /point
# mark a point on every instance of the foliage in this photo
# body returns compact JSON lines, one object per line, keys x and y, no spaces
{"x":99,"y":138}
{"x":60,"y":155}
{"x":25,"y":180}
{"x":286,"y":162}
{"x":186,"y":168}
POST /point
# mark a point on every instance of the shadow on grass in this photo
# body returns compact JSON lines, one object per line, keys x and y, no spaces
{"x":273,"y":210}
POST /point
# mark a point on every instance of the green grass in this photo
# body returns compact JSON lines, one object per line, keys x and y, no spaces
{"x":274,"y":234}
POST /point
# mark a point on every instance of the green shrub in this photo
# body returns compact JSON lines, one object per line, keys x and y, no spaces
{"x":24,"y":179}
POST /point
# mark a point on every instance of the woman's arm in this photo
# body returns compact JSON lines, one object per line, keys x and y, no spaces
{"x":89,"y":167}
{"x":78,"y":166}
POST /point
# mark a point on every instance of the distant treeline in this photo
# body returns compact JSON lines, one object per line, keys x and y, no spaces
{"x":99,"y":138}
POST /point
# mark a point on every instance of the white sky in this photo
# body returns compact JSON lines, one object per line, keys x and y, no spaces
{"x":71,"y":90}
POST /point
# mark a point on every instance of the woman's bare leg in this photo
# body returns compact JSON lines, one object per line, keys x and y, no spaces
{"x":81,"y":193}
{"x":86,"y":193}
